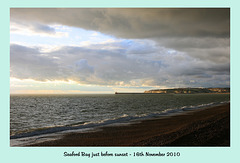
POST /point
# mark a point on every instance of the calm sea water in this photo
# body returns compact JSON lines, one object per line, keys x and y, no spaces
{"x":42,"y":114}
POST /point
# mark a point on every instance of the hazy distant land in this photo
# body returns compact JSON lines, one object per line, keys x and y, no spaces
{"x":184,"y":91}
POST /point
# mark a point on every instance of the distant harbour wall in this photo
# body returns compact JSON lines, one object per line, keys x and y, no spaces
{"x":128,"y":93}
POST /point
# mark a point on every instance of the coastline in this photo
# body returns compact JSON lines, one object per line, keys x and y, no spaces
{"x":203,"y":127}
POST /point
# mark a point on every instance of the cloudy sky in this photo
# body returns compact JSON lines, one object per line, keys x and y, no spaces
{"x":92,"y":50}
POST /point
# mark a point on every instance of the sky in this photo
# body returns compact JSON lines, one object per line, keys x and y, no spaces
{"x":107,"y":50}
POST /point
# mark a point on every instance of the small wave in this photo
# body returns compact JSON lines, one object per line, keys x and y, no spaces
{"x":121,"y":119}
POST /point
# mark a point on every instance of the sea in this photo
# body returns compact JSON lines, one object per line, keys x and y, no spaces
{"x":38,"y":118}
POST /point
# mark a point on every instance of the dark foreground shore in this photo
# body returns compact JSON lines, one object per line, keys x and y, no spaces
{"x":204,"y":127}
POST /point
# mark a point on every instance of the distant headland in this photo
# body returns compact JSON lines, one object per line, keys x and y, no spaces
{"x":183,"y":91}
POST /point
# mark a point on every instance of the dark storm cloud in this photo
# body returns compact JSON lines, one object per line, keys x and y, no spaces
{"x":135,"y":22}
